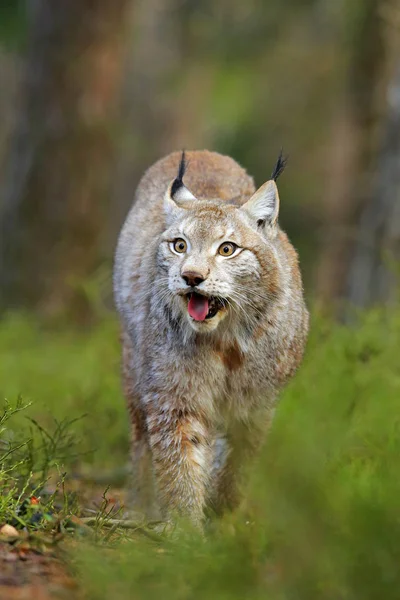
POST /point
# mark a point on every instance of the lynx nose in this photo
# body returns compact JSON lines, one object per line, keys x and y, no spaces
{"x":192,"y":278}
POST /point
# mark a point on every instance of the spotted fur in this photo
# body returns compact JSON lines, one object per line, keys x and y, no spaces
{"x":202,"y":394}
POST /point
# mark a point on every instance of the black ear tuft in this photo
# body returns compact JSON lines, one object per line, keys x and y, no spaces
{"x":280,"y":166}
{"x":182,"y":166}
{"x":181,"y":171}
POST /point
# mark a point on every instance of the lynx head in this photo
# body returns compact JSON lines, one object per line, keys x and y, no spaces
{"x":217,"y":261}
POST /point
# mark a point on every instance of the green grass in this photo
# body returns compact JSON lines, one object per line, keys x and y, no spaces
{"x":321,"y":518}
{"x":27,"y":464}
{"x":67,"y":375}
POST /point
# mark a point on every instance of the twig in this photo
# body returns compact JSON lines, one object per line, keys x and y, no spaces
{"x":124,"y":524}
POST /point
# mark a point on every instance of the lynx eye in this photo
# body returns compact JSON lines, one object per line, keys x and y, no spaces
{"x":179,"y":245}
{"x":227,"y":249}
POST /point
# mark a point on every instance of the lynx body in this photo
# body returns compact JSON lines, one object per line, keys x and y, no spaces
{"x":214,"y":324}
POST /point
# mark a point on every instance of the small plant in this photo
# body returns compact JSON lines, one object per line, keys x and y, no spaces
{"x":26,"y":466}
{"x":53,"y":447}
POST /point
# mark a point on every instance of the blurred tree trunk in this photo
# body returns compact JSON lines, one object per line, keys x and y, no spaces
{"x":354,"y":151}
{"x":374,"y":270}
{"x":153,"y":60}
{"x":57,"y":187}
{"x":166,"y":93}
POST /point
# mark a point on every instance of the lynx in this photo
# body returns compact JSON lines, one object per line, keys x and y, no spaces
{"x":214,"y":324}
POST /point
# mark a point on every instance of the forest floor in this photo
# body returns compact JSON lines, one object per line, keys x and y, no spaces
{"x":34,"y":560}
{"x":321,"y":515}
{"x":26,"y":574}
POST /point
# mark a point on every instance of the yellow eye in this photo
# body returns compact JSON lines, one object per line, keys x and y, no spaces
{"x":180,"y":245}
{"x":227,"y":249}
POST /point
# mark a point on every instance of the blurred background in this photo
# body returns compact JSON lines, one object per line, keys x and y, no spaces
{"x":93,"y":91}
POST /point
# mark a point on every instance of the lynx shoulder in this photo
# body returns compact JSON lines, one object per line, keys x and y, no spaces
{"x":214,"y":324}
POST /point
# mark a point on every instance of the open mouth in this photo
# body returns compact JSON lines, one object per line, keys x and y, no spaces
{"x":201,"y":308}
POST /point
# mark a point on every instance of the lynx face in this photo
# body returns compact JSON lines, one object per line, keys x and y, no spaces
{"x":216,"y":262}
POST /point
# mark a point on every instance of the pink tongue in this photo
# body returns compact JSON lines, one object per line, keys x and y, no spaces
{"x":198,"y":307}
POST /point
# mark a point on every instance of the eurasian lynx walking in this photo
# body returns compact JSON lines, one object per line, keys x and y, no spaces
{"x":213,"y":325}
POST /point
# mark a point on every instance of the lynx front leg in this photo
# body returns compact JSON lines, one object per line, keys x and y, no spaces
{"x":182,"y":457}
{"x":141,"y":493}
{"x":243,"y":443}
{"x":142,"y":498}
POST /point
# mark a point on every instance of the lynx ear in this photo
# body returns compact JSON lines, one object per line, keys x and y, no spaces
{"x":263,"y":206}
{"x":177,"y":193}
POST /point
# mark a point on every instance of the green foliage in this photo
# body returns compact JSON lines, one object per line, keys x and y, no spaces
{"x":321,"y":518}
{"x":25,"y":465}
{"x":68,"y":375}
{"x":13,"y":23}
